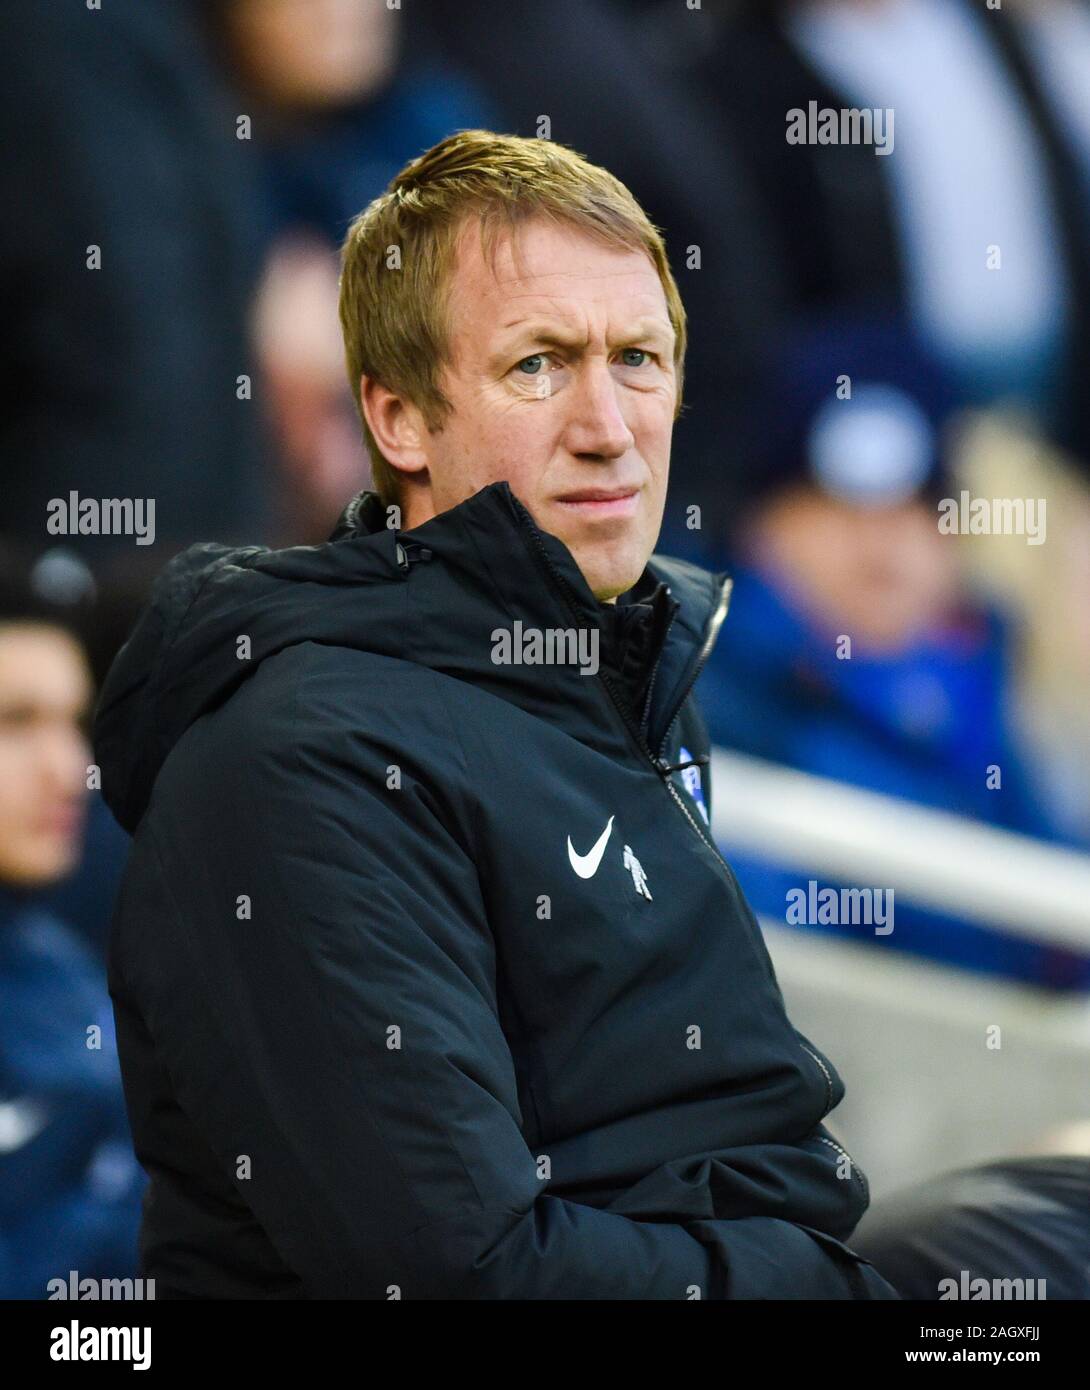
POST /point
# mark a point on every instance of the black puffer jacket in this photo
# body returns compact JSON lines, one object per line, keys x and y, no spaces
{"x":428,"y":975}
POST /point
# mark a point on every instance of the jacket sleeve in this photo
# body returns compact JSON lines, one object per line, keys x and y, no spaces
{"x":308,"y":946}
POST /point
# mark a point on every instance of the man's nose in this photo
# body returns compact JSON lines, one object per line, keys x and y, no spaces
{"x":596,"y":425}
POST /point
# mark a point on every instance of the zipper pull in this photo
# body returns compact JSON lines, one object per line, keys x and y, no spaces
{"x":701,"y":760}
{"x":410,"y":554}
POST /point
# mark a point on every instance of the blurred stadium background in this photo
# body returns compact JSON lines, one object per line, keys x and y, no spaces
{"x":215,"y":151}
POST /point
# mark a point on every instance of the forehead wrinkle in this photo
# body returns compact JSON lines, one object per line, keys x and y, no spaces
{"x":561,"y":330}
{"x":558,"y":294}
{"x":553,"y":312}
{"x":587,"y":273}
{"x":509,"y":266}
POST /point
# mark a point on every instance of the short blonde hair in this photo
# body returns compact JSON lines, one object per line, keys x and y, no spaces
{"x":398,"y":255}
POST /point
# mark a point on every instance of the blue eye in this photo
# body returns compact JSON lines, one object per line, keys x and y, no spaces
{"x":531,"y":371}
{"x":640,"y":352}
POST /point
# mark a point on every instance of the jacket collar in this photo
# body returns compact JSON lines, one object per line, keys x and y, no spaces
{"x":533,"y":575}
{"x":372,"y":589}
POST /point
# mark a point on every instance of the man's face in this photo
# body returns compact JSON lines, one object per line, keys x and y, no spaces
{"x":884,"y":573}
{"x":562,"y":384}
{"x":45,"y":691}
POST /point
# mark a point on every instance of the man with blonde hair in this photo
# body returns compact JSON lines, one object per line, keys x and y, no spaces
{"x":429,"y":977}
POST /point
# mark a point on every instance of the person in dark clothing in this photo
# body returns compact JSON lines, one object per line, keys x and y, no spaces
{"x":1015,"y":1228}
{"x":127,"y":277}
{"x":429,"y":979}
{"x":70,"y":1186}
{"x":341,"y":97}
{"x":983,"y":158}
{"x":339,"y":100}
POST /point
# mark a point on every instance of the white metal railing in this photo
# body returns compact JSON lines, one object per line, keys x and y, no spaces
{"x":825,"y":828}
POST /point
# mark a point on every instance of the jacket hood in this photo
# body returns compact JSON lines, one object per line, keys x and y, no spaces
{"x":432,"y":596}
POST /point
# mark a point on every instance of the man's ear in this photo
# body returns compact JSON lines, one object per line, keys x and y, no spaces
{"x":397,"y":425}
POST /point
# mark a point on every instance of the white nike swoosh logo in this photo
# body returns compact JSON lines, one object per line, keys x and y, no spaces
{"x":20,"y":1122}
{"x":586,"y":865}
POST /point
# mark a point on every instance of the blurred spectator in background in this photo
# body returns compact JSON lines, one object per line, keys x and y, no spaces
{"x":70,"y":1186}
{"x":1047,"y":589}
{"x":853,"y":650}
{"x":319,"y":458}
{"x":127,"y":274}
{"x":338,"y":102}
{"x":975,"y":223}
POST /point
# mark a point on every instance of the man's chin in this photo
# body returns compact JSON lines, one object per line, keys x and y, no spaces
{"x":611,"y":555}
{"x":608,"y":581}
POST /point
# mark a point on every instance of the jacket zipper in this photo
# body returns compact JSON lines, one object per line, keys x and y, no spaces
{"x":658,"y":763}
{"x":618,"y":700}
{"x":714,"y":625}
{"x":645,"y":719}
{"x":705,"y":651}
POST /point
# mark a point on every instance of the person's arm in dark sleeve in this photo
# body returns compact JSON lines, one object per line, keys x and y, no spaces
{"x":341,"y":1047}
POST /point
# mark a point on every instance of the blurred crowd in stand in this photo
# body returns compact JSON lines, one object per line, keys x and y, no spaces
{"x":876,"y":328}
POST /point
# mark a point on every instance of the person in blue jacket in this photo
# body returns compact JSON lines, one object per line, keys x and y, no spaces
{"x":70,"y":1187}
{"x":853,"y":651}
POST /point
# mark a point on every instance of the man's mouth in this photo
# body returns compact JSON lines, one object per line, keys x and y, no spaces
{"x":601,"y":501}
